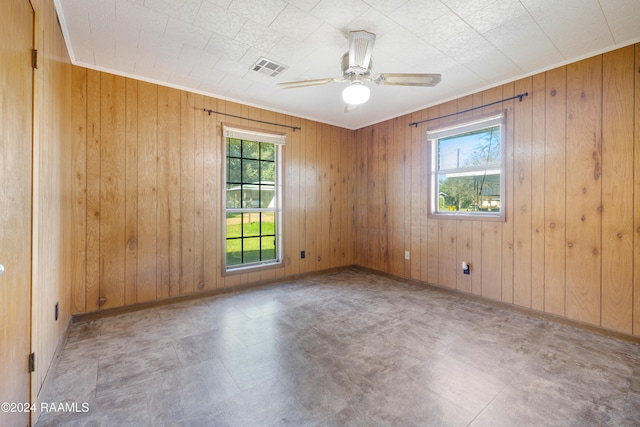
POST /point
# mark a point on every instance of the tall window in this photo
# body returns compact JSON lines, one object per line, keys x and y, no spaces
{"x":467,"y":169}
{"x":253,"y":205}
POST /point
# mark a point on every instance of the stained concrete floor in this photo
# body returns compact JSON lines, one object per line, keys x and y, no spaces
{"x":343,"y":349}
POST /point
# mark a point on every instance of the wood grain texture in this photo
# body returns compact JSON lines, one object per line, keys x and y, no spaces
{"x":447,"y":253}
{"x":361,"y":196}
{"x":636,"y":198}
{"x":54,"y":201}
{"x":584,"y":190}
{"x":131,"y":190}
{"x":16,"y":80}
{"x":537,"y":95}
{"x":507,"y":262}
{"x":522,"y":191}
{"x":146,"y":287}
{"x":617,"y":189}
{"x":92,"y":284}
{"x":555,"y":192}
{"x":112,"y":190}
{"x":560,"y":243}
{"x":154,"y":192}
{"x":416,"y":202}
{"x":79,"y":189}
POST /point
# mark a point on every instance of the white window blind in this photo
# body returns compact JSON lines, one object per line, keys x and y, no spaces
{"x":253,"y":135}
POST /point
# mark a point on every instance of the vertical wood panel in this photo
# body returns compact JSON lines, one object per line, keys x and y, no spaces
{"x":199,"y":195}
{"x":509,"y":203}
{"x":617,"y":190}
{"x":187,"y":192}
{"x":212,"y":190}
{"x":522,"y":194}
{"x":396,"y":158}
{"x":112,"y":190}
{"x":168,"y":200}
{"x":555,"y":192}
{"x":79,"y":189}
{"x":58,"y":139}
{"x":324,"y":187}
{"x":584,"y":189}
{"x":537,"y":191}
{"x":382,"y":194}
{"x":447,"y":253}
{"x":636,"y":198}
{"x":311,"y":202}
{"x":493,"y":243}
{"x":131,"y":192}
{"x":417,"y":203}
{"x":19,"y":139}
{"x":93,"y":191}
{"x":147,"y":194}
{"x":335,"y":208}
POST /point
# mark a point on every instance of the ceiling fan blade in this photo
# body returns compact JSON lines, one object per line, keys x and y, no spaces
{"x":403,"y":79}
{"x":360,"y":49}
{"x":305,"y":83}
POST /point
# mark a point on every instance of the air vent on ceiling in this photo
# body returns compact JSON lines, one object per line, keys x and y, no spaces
{"x":268,"y":67}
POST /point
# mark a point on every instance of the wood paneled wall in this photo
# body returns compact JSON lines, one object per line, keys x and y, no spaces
{"x":571,"y":243}
{"x":51,"y":206}
{"x":147,"y":193}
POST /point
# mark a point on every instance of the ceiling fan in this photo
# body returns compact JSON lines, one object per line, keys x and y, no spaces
{"x":356,"y":69}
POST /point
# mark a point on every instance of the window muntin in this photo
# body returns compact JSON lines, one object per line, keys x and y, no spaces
{"x":467,"y":169}
{"x":253,"y":212}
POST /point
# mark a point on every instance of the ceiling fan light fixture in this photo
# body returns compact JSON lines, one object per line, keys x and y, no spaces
{"x":356,"y":93}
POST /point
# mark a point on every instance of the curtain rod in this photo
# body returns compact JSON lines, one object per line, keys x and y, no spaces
{"x":522,"y":95}
{"x":295,"y":128}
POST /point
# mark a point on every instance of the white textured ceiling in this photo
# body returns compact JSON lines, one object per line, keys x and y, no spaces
{"x":209,"y":46}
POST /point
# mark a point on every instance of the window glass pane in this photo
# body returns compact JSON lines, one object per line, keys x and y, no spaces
{"x":267,"y":196}
{"x":233,"y":170}
{"x":234,"y":252}
{"x":251,"y":250}
{"x":268,"y":248}
{"x":267,"y":151}
{"x":234,"y":196}
{"x":234,"y":225}
{"x":250,"y":224}
{"x":233,"y":147}
{"x":267,"y":172}
{"x":250,"y":171}
{"x":268,"y":223}
{"x":250,"y":150}
{"x":471,"y":149}
{"x":472,"y":192}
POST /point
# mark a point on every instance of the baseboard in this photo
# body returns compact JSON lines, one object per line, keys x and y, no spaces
{"x":82,"y":317}
{"x":599,"y":330}
{"x":85,"y":317}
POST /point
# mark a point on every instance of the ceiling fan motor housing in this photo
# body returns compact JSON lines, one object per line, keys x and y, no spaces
{"x":348,"y":72}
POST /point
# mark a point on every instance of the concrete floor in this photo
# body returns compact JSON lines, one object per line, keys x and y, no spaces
{"x":344,"y":349}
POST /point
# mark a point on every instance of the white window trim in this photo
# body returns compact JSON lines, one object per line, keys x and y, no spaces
{"x":476,"y":123}
{"x":256,"y":135}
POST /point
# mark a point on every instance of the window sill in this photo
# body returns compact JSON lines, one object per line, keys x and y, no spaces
{"x":252,"y":268}
{"x":497,"y":217}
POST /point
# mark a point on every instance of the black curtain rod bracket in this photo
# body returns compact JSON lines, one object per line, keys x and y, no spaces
{"x":295,"y":128}
{"x":519,"y":97}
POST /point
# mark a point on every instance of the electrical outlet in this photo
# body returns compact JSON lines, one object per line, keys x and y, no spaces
{"x":302,"y":255}
{"x":407,"y":255}
{"x":57,"y":311}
